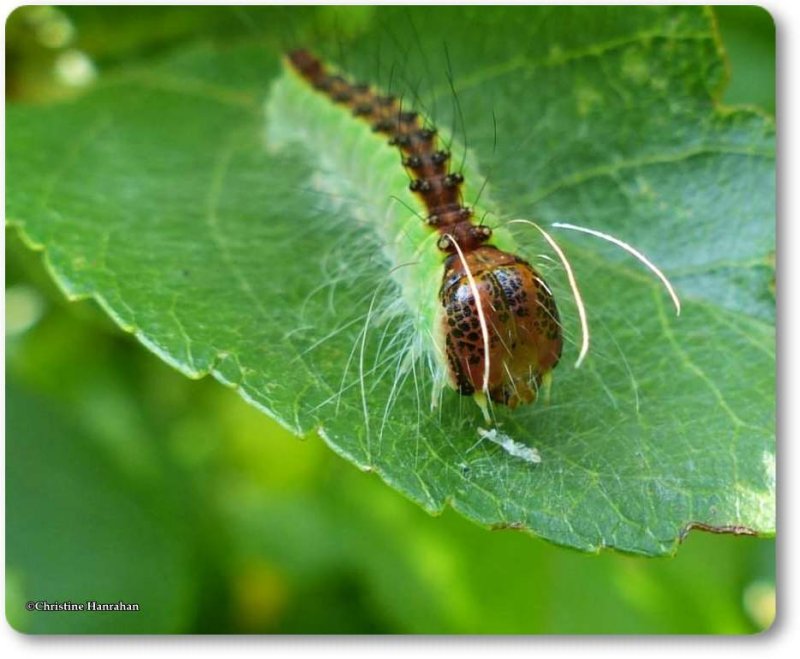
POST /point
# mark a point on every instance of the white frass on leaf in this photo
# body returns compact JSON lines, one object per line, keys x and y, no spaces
{"x":511,"y":446}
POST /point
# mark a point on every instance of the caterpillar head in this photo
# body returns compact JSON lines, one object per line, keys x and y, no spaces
{"x":519,"y":325}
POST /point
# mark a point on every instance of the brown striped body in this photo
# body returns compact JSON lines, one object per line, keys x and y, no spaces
{"x":523,"y":329}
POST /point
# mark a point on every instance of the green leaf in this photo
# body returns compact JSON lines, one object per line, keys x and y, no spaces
{"x":154,"y":194}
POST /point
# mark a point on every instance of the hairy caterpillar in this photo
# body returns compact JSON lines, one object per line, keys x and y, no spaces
{"x":487,"y":319}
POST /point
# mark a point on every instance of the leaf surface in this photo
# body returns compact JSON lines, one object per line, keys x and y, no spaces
{"x":154,"y":193}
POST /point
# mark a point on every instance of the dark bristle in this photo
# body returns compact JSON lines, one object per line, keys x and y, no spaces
{"x":427,"y":164}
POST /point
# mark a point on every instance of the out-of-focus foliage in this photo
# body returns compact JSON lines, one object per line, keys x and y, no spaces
{"x":128,"y":481}
{"x":749,"y":39}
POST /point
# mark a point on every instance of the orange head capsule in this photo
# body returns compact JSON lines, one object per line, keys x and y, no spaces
{"x":522,"y":326}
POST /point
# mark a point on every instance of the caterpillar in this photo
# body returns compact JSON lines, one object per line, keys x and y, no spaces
{"x":497,"y":324}
{"x":485,"y":317}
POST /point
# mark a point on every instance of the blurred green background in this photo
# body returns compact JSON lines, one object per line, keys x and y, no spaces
{"x":127,"y":481}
